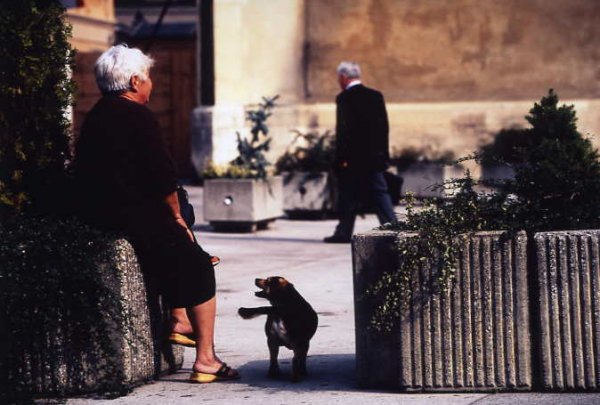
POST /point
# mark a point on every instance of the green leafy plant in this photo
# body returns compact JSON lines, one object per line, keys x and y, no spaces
{"x":556,"y":186}
{"x":251,"y":161}
{"x":558,"y":179}
{"x":507,"y":147}
{"x":51,"y":289}
{"x":406,"y":157}
{"x":310,"y":152}
{"x":35,"y":92}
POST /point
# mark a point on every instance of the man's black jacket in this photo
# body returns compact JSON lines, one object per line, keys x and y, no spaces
{"x":362,"y":129}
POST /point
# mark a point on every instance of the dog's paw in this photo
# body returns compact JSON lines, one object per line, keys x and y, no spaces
{"x":274,"y":373}
{"x":245,"y":313}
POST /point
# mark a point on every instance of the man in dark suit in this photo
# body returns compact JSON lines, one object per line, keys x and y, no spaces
{"x":362,"y":153}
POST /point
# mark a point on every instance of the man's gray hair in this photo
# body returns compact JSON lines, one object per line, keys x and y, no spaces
{"x":349,"y":69}
{"x":115,"y":67}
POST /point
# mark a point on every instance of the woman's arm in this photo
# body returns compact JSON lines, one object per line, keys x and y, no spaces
{"x":173,"y":203}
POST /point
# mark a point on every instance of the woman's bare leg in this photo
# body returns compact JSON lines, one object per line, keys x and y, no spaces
{"x":180,"y":323}
{"x":202,"y":318}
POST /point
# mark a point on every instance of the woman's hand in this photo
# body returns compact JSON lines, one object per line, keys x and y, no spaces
{"x":173,"y":203}
{"x":181,"y":222}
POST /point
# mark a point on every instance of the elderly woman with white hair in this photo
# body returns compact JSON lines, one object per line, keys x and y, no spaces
{"x":127,"y":183}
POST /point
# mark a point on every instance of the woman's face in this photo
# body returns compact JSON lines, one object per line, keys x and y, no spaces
{"x":144,"y":89}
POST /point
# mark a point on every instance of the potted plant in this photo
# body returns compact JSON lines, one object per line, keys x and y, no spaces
{"x":305,"y":167}
{"x":487,"y":292}
{"x":244,"y":195}
{"x":425,"y":171}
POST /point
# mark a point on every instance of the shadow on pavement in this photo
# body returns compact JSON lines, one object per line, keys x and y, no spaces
{"x":334,"y":372}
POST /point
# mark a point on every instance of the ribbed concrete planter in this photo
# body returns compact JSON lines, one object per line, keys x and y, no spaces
{"x":424,"y":179}
{"x":242,"y":204}
{"x":139,"y":351}
{"x":474,"y":338}
{"x":568,"y":269}
{"x":307,"y":193}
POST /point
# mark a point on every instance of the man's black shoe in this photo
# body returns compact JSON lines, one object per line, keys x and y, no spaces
{"x":336,"y":239}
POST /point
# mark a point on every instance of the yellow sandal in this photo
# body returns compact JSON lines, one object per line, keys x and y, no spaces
{"x":181,"y":339}
{"x":225,"y":373}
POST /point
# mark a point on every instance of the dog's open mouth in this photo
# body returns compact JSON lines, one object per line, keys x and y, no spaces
{"x":262,"y":284}
{"x":261,"y":294}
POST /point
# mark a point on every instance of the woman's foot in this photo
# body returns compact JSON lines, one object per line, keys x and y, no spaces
{"x":214,"y":372}
{"x":184,"y":339}
{"x":181,"y":329}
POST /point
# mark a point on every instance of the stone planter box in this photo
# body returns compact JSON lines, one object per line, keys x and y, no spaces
{"x":307,"y":194}
{"x":423,"y":179}
{"x":568,"y":277}
{"x":242,"y":204}
{"x":139,"y":350}
{"x":497,"y":172}
{"x":473,"y":338}
{"x":494,"y":173}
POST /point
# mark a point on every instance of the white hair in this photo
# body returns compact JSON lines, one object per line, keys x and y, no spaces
{"x":350,"y":70}
{"x":115,"y":67}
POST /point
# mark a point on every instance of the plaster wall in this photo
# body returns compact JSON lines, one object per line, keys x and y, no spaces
{"x":258,"y":50}
{"x":93,"y":25}
{"x":460,"y":50}
{"x":453,"y":73}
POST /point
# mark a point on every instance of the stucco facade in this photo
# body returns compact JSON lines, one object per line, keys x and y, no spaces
{"x":93,"y":25}
{"x":453,"y":72}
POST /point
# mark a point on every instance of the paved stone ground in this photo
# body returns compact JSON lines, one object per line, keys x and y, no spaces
{"x":323,"y":275}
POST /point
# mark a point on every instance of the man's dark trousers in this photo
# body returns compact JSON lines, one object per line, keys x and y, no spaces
{"x":356,"y":189}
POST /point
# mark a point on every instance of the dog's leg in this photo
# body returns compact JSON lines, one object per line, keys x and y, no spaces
{"x":248,"y":313}
{"x":299,"y":362}
{"x":273,"y":352}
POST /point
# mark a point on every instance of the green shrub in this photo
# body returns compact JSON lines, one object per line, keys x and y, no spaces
{"x":507,"y":148}
{"x":556,"y":186}
{"x":251,"y":161}
{"x":310,"y":152}
{"x":557,"y":183}
{"x":406,"y":157}
{"x":54,"y":303}
{"x":35,"y":92}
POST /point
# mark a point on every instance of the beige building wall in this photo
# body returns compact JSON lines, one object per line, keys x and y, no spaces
{"x":459,"y":50}
{"x":453,"y":72}
{"x":93,"y":25}
{"x":456,"y":72}
{"x":258,"y":50}
{"x":93,"y":32}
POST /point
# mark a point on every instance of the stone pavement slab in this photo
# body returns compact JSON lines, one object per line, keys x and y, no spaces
{"x":322,"y":273}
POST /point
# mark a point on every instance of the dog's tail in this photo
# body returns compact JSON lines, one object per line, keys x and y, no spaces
{"x":249,"y":313}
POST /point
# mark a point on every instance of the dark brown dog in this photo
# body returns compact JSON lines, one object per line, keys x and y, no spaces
{"x":291,"y":322}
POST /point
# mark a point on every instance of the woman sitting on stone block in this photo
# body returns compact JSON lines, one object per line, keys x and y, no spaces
{"x":127,"y":183}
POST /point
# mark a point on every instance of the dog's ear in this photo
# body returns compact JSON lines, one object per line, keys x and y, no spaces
{"x":278,"y":288}
{"x":278,"y":282}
